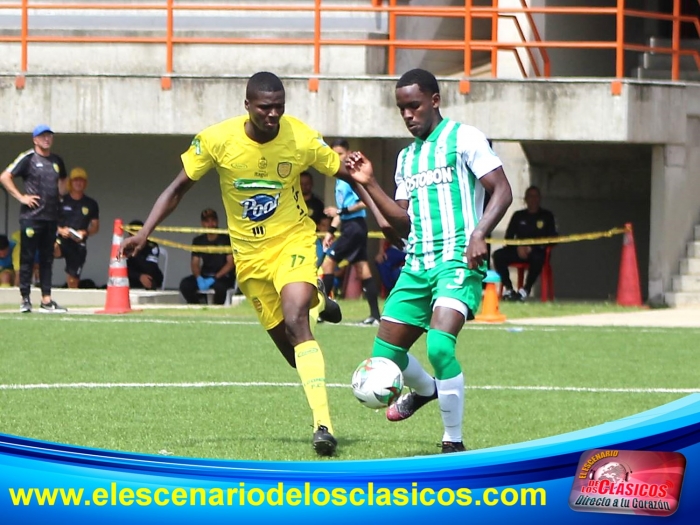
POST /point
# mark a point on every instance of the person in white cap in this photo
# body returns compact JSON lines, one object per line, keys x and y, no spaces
{"x":44,"y":177}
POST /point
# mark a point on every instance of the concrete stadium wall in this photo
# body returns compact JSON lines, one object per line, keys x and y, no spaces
{"x":141,"y":130}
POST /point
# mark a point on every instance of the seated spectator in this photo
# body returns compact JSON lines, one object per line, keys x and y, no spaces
{"x":531,"y":223}
{"x":389,"y":260}
{"x":79,"y":218}
{"x":314,"y":205}
{"x":144,"y":272}
{"x":210,"y":271}
{"x":7,"y":269}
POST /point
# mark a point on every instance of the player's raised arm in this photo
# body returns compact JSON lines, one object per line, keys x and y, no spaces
{"x":394,"y":212}
{"x":164,"y":206}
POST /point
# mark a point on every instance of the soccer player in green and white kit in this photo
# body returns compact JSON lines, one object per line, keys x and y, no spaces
{"x":441,"y":180}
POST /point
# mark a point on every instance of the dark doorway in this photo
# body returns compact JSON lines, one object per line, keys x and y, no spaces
{"x":688,"y":7}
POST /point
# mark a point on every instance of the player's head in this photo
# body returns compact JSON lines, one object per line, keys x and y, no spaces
{"x":532,"y":198}
{"x":342,"y":148}
{"x":42,"y":137}
{"x":306,"y":181}
{"x":418,"y":100}
{"x":77,"y":179}
{"x":209,"y":218}
{"x":264,"y":101}
{"x":136,"y":224}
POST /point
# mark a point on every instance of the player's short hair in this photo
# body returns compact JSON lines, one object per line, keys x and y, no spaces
{"x":4,"y":242}
{"x":341,"y":143}
{"x":263,"y":82}
{"x":425,"y":80}
{"x":533,"y":188}
{"x":306,"y":174}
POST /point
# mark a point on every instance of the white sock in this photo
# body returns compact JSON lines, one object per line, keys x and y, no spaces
{"x":417,"y":378}
{"x":451,"y":400}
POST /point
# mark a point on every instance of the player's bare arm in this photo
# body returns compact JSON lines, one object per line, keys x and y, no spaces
{"x":164,"y":206}
{"x":498,"y":186}
{"x":361,"y":170}
{"x":389,"y":232}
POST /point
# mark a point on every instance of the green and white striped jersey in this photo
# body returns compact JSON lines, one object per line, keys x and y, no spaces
{"x":440,"y":179}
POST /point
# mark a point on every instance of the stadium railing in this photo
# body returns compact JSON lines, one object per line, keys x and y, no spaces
{"x":393,"y":11}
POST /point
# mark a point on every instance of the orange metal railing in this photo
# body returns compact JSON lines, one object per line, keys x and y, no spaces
{"x":468,"y":45}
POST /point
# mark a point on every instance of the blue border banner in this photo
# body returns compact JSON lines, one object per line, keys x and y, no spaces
{"x":530,"y":482}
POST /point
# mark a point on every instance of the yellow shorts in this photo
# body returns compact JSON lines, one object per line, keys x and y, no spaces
{"x":285,"y":260}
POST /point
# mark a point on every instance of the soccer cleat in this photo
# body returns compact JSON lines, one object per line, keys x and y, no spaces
{"x":370,"y":321}
{"x":331,"y":313}
{"x":449,"y":447}
{"x":407,"y":405}
{"x":26,"y":306}
{"x":324,"y":442}
{"x":52,"y":307}
{"x":512,"y":296}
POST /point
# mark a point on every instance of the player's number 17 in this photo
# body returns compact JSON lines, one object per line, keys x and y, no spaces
{"x":296,"y":258}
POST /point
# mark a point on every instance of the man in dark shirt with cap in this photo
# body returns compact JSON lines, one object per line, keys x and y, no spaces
{"x":531,"y":223}
{"x":44,"y":177}
{"x":79,"y":218}
{"x":143,"y":268}
{"x":210,"y":271}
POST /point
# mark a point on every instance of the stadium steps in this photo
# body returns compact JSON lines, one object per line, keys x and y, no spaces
{"x":686,"y":286}
{"x":657,"y":66}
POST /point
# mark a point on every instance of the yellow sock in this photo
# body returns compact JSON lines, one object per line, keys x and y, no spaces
{"x":312,"y":371}
{"x":313,"y":318}
{"x":315,"y":312}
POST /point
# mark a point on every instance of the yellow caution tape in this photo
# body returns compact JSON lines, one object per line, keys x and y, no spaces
{"x":372,"y":235}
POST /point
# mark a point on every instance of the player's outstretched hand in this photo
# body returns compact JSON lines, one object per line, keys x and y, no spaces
{"x":359,"y":167}
{"x":131,"y":246}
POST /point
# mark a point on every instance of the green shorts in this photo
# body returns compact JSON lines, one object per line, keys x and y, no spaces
{"x":415,"y":294}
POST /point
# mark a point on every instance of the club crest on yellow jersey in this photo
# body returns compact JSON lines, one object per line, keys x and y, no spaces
{"x":284,"y":169}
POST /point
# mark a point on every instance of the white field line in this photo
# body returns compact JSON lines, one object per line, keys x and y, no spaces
{"x":509,"y":327}
{"x":249,"y":384}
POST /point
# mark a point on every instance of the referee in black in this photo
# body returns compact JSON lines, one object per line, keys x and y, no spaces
{"x":44,"y":177}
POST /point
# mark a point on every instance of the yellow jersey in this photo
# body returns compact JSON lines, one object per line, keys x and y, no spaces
{"x":260,"y":184}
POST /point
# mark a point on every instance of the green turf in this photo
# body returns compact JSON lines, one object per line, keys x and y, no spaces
{"x":273,"y":422}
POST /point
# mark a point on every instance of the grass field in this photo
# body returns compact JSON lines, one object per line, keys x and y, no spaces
{"x":157,"y":378}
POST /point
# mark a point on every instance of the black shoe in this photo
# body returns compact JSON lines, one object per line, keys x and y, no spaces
{"x":52,"y":307}
{"x":407,"y":405}
{"x":512,"y":296}
{"x":26,"y":306}
{"x":449,"y":447}
{"x":370,"y":321}
{"x":331,"y":313}
{"x":324,"y":442}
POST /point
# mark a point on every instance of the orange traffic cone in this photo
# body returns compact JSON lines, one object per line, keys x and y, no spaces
{"x":629,"y":292}
{"x":489,"y":311}
{"x":118,"y":283}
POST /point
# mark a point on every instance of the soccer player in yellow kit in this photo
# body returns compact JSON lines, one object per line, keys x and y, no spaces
{"x":259,"y":158}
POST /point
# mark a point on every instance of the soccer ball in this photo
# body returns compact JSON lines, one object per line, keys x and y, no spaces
{"x":377,"y":382}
